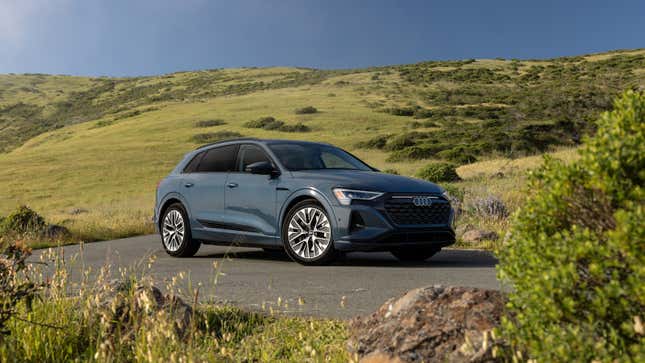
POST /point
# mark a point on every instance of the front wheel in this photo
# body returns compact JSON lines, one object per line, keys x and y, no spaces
{"x":415,"y":254}
{"x":306,"y":234}
{"x":175,"y":232}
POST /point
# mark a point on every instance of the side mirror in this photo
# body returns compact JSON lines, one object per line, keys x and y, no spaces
{"x":263,"y":168}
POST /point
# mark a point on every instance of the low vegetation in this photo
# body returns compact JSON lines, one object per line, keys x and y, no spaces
{"x":471,"y":113}
{"x":574,"y":255}
{"x":271,"y":124}
{"x":209,"y":123}
{"x":306,"y":110}
{"x":207,"y":137}
{"x":131,"y":320}
{"x":439,"y":172}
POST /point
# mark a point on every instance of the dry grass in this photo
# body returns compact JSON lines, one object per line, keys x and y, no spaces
{"x":95,"y":317}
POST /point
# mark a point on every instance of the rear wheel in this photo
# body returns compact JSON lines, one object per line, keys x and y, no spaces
{"x":415,"y":254}
{"x":175,"y":232}
{"x":306,"y":234}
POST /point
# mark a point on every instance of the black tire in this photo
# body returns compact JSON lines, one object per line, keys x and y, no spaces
{"x":327,"y":255}
{"x":186,"y":246}
{"x":415,"y":254}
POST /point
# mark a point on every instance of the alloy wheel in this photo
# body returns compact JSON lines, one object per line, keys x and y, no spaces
{"x":309,"y":234}
{"x":173,"y":230}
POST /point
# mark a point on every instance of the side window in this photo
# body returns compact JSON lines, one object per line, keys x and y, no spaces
{"x":219,"y":159}
{"x":250,"y":154}
{"x":191,"y":167}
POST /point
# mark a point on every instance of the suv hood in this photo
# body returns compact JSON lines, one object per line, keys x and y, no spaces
{"x":369,"y":180}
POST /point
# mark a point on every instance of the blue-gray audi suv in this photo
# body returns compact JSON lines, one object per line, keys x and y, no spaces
{"x":313,"y":200}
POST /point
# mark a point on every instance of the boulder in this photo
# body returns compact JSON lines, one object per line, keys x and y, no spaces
{"x":479,"y":235}
{"x":430,"y":324}
{"x":122,"y":303}
{"x":56,"y":231}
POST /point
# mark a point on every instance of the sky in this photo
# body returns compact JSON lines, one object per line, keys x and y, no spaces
{"x":146,"y":37}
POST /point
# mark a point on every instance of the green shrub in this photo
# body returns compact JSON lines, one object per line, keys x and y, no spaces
{"x":400,"y":142}
{"x":270,"y":123}
{"x":423,"y":113}
{"x":306,"y":110}
{"x":23,"y":220}
{"x":214,"y":136}
{"x":299,"y":127}
{"x":266,"y":123}
{"x":209,"y":123}
{"x":416,"y":152}
{"x":377,"y":142}
{"x":400,"y":111}
{"x":458,"y":154}
{"x":439,"y":172}
{"x":575,"y":255}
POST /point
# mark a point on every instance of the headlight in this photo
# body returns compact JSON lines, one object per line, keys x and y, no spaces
{"x":345,"y":196}
{"x":446,"y":195}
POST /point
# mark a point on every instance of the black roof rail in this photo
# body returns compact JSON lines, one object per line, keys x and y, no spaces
{"x":228,"y":140}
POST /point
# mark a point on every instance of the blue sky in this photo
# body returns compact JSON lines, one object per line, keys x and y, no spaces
{"x":141,"y":37}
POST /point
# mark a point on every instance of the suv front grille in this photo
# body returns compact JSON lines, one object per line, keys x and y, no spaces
{"x":402,"y":211}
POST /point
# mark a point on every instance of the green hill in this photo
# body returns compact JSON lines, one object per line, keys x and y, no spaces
{"x":88,"y":151}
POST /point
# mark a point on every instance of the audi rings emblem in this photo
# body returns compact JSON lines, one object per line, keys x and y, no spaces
{"x":422,"y":201}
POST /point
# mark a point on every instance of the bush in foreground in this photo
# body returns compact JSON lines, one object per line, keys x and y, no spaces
{"x":439,"y":172}
{"x":576,"y":252}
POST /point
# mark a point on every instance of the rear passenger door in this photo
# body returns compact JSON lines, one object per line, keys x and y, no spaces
{"x":251,"y":198}
{"x":204,"y":187}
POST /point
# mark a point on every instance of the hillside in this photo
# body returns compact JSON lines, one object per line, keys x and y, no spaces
{"x":88,"y":152}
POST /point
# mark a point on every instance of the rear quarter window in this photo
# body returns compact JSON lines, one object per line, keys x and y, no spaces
{"x":218,"y":159}
{"x":191,"y":167}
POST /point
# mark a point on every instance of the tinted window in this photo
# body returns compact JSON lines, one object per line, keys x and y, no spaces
{"x":250,"y":154}
{"x":219,"y":159}
{"x":191,"y":167}
{"x":315,"y":156}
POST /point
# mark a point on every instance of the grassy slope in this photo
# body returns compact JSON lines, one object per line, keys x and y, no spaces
{"x":109,"y":165}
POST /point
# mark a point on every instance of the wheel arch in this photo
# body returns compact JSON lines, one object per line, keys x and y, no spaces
{"x":167,"y":202}
{"x":306,"y":194}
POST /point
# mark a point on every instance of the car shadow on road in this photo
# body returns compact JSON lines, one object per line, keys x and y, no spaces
{"x":450,"y":258}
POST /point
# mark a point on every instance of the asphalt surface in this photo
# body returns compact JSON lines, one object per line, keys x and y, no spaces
{"x":251,"y":278}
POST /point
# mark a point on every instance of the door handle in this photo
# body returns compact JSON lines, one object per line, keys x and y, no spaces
{"x":188,"y":185}
{"x":232,"y":185}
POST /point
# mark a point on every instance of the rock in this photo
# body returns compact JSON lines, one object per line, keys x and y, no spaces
{"x":430,"y":324}
{"x":380,"y":357}
{"x":479,"y":235}
{"x":76,"y":211}
{"x":121,"y":304}
{"x":55,"y":231}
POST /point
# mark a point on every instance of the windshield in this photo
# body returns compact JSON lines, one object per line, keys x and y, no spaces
{"x":315,"y":157}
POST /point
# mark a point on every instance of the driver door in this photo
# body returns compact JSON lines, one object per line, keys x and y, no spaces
{"x":250,"y":199}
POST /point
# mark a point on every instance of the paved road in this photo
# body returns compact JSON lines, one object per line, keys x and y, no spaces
{"x":254,"y":279}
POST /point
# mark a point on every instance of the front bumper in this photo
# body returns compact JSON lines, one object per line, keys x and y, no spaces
{"x":367,"y":226}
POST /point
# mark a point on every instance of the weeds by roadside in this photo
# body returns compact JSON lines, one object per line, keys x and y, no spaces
{"x":111,"y":316}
